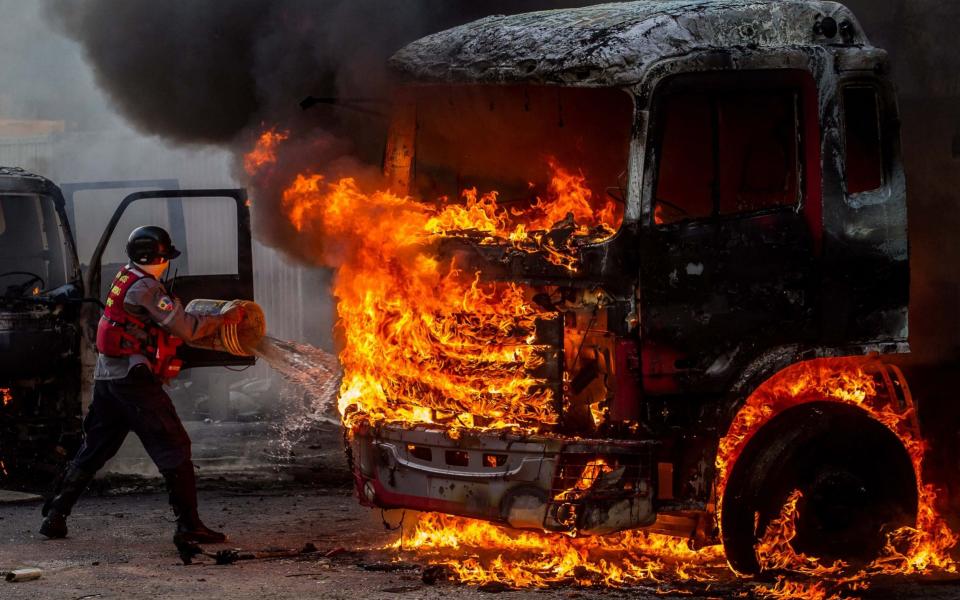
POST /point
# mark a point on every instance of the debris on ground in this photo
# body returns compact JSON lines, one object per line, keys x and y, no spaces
{"x":189,"y":551}
{"x":18,"y":575}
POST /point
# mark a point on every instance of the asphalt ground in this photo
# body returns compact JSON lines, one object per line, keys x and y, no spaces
{"x":275,"y":501}
{"x":120,"y":547}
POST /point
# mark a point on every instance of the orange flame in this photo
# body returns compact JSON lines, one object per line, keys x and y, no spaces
{"x":265,"y":151}
{"x":530,"y":559}
{"x":784,"y":589}
{"x":423,"y":341}
{"x":775,"y":551}
{"x":851,"y":381}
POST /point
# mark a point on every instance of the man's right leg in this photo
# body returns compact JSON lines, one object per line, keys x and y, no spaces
{"x":154,"y":419}
{"x":104,"y":430}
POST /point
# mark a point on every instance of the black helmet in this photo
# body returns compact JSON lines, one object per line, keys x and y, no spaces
{"x":150,"y":245}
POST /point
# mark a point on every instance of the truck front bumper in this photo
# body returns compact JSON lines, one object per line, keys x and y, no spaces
{"x":587,"y":487}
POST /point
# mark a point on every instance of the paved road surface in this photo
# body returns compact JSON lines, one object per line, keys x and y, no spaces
{"x":120,"y":547}
{"x":120,"y":543}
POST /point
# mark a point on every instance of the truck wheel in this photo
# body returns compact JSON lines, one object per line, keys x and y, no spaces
{"x":855,"y":475}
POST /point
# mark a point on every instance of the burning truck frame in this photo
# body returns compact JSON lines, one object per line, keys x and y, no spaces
{"x":657,"y":253}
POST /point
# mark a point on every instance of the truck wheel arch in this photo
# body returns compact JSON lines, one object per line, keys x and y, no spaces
{"x":856,"y":478}
{"x":833,"y":399}
{"x":764,"y":366}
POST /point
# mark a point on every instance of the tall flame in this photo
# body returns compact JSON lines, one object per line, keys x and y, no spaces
{"x":422,"y":339}
{"x":775,"y":550}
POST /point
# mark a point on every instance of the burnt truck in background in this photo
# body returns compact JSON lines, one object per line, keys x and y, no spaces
{"x":754,"y":147}
{"x":50,"y":305}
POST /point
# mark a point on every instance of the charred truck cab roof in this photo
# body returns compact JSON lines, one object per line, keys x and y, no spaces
{"x":764,"y":223}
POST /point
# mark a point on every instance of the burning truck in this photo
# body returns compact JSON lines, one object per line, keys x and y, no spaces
{"x":634,"y":267}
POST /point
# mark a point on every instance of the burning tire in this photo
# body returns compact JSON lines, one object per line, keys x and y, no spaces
{"x":856,"y":479}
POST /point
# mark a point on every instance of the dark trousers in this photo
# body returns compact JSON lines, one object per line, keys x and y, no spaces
{"x":139,"y":404}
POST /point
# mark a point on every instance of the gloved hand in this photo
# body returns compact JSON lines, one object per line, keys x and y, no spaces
{"x":234,"y":316}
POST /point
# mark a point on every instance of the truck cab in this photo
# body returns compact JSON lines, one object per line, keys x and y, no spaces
{"x":742,"y":161}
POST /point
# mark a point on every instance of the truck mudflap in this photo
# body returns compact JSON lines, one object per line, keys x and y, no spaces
{"x":585,"y":487}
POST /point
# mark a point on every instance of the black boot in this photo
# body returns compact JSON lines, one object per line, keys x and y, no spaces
{"x":66,"y":493}
{"x":182,"y":484}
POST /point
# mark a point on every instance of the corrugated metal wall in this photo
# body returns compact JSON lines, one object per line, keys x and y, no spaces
{"x":21,"y":152}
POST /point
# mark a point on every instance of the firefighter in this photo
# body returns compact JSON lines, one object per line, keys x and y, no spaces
{"x":137,"y":337}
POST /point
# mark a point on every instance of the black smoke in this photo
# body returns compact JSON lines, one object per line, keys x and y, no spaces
{"x":220,"y":72}
{"x":208,"y":72}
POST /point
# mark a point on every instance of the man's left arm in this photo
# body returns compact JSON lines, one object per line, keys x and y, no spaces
{"x":169,"y":314}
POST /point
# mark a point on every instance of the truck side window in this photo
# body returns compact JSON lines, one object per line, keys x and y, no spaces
{"x":758,"y":152}
{"x":34,"y":243}
{"x":864,"y":154}
{"x":685,"y":180}
{"x":727,"y":152}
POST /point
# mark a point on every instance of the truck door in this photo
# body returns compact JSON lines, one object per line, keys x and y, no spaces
{"x":212,"y":214}
{"x":726,"y":264}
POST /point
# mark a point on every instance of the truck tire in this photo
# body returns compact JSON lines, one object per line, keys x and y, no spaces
{"x":857,"y":481}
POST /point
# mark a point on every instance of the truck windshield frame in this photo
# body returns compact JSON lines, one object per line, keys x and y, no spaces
{"x":32,"y":240}
{"x":747,"y":130}
{"x":515,"y":139}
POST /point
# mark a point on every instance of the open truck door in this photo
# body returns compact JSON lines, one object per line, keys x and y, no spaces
{"x":221,"y":206}
{"x":99,"y":200}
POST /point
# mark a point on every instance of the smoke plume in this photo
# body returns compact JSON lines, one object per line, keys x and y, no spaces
{"x":220,"y":72}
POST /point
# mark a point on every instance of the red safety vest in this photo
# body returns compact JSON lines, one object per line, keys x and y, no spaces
{"x":116,"y":330}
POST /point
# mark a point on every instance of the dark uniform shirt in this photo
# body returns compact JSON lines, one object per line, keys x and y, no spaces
{"x":148,"y":301}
